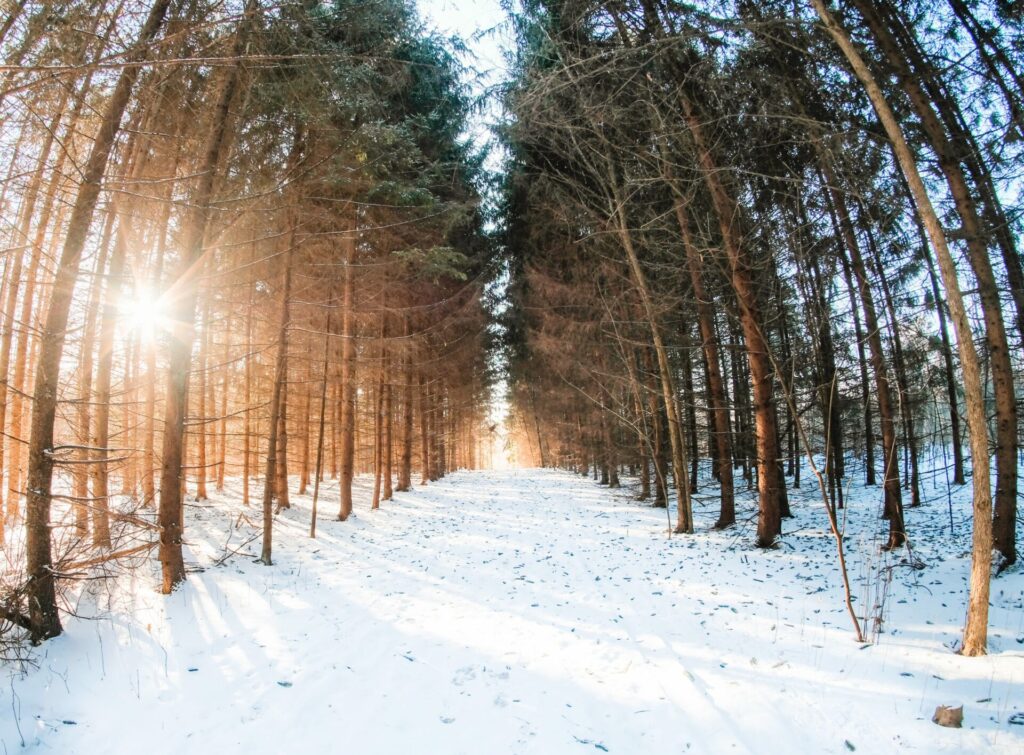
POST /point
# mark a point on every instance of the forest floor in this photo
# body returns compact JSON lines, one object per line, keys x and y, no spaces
{"x":528,"y":611}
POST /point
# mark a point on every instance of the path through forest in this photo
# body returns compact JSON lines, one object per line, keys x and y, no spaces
{"x":521,"y":611}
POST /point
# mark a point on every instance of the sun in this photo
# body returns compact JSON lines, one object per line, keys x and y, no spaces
{"x":144,"y":312}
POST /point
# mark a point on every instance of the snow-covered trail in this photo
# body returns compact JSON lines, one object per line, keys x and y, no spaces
{"x":516,"y":611}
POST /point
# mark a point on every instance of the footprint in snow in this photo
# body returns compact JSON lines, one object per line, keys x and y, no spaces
{"x":463,"y":675}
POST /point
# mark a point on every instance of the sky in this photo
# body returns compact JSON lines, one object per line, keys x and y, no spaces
{"x":468,"y":18}
{"x":483,"y":25}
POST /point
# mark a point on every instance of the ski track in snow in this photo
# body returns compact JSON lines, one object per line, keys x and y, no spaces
{"x":526,"y":611}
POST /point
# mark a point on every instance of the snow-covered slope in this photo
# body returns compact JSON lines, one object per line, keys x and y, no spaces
{"x":526,"y":611}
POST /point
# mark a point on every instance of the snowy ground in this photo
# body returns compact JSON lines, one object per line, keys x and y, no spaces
{"x":526,"y":611}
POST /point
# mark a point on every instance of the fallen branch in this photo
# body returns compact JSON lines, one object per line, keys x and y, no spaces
{"x":109,"y":557}
{"x":223,"y":559}
{"x":15,"y":617}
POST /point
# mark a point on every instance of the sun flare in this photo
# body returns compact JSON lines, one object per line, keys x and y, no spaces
{"x":144,"y":312}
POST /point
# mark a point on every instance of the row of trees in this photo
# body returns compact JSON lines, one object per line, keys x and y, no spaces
{"x":745,"y":232}
{"x":241,"y":239}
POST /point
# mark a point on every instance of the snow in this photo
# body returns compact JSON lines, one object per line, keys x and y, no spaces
{"x":527,"y":611}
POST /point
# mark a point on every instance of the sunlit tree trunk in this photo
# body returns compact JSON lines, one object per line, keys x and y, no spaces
{"x":976,"y":628}
{"x":183,"y":306}
{"x":769,"y":524}
{"x":224,"y":390}
{"x":424,"y":402}
{"x":405,"y":457}
{"x":716,"y":387}
{"x":41,"y":593}
{"x":275,"y":424}
{"x":977,"y":253}
{"x":304,"y":425}
{"x":348,"y":388}
{"x":388,"y":492}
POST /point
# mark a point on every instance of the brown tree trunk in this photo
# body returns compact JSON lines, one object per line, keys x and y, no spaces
{"x":275,"y":423}
{"x":200,"y":421}
{"x":690,"y":401}
{"x":890,"y":452}
{"x":149,"y":453}
{"x":335,"y":428}
{"x":902,"y":380}
{"x":101,"y":425}
{"x":684,"y":518}
{"x":80,"y":471}
{"x":658,"y":422}
{"x":304,"y":459}
{"x":41,"y":592}
{"x":317,"y":473}
{"x":129,"y":412}
{"x":26,"y":344}
{"x":424,"y":397}
{"x":405,"y":456}
{"x":611,"y":453}
{"x":183,"y":306}
{"x":769,"y":524}
{"x":438,"y":431}
{"x":642,"y":430}
{"x":13,"y":282}
{"x":388,"y":441}
{"x":716,"y":386}
{"x":828,"y":390}
{"x":281,"y":468}
{"x":378,"y":435}
{"x":995,"y":331}
{"x":947,"y":362}
{"x":222,"y":446}
{"x":865,"y":385}
{"x":976,"y":628}
{"x":348,"y":403}
{"x":247,"y":398}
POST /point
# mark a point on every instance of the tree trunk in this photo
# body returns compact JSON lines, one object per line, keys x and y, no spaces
{"x":902,"y":381}
{"x":247,"y":398}
{"x":828,"y":389}
{"x":388,"y":441}
{"x":348,"y":403}
{"x":976,"y":628}
{"x":13,"y":282}
{"x":80,"y":482}
{"x":183,"y":306}
{"x":149,"y":453}
{"x":281,"y":468}
{"x":769,"y":525}
{"x":427,"y":473}
{"x":222,"y":445}
{"x":304,"y":460}
{"x":275,"y":423}
{"x":977,"y":252}
{"x":200,"y":420}
{"x":378,"y":419}
{"x":947,"y":363}
{"x":41,"y":591}
{"x":893,"y":506}
{"x":323,"y":416}
{"x":101,"y":426}
{"x":684,"y":518}
{"x":716,"y":386}
{"x":405,"y":457}
{"x":690,"y":401}
{"x":611,"y":456}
